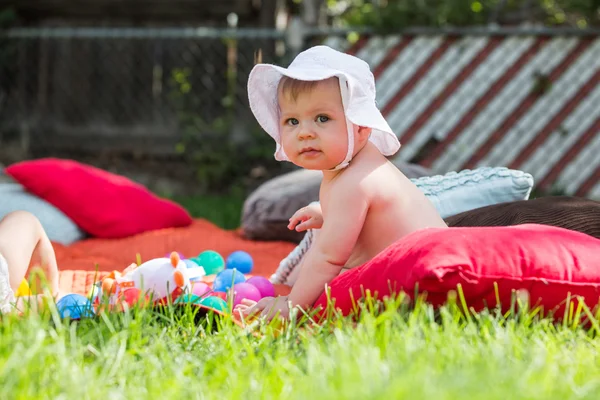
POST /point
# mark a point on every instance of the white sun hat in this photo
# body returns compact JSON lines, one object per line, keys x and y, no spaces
{"x":357,"y":86}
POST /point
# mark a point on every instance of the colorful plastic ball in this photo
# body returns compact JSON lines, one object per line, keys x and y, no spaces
{"x":264,"y":286}
{"x":215,"y":303}
{"x":211,"y":261}
{"x":190,"y":263}
{"x":23,"y":289}
{"x":188,"y":298}
{"x":226,"y":279}
{"x":243,"y":291}
{"x":200,"y":288}
{"x":181,"y":256}
{"x":241,"y":261}
{"x":75,"y":306}
{"x":221,"y":295}
{"x":133,"y":296}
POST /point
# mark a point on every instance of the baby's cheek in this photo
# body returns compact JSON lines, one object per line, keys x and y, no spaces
{"x":287,"y":134}
{"x":287,"y":142}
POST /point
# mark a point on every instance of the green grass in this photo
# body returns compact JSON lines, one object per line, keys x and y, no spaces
{"x":223,"y":210}
{"x":416,"y":353}
{"x":413,"y":354}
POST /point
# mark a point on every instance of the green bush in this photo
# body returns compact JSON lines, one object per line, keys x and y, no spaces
{"x":391,"y":15}
{"x":220,"y":160}
{"x":228,"y":151}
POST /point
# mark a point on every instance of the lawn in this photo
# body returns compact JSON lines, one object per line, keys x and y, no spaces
{"x":224,"y":211}
{"x":413,"y":353}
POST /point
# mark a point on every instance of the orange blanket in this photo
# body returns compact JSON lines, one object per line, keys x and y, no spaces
{"x":78,"y":261}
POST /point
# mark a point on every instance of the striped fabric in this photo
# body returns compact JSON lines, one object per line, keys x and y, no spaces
{"x":288,"y":264}
{"x":529,"y":103}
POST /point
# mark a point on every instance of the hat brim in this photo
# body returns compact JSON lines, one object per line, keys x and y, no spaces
{"x":262,"y":94}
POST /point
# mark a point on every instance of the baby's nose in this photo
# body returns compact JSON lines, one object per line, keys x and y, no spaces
{"x":305,"y":132}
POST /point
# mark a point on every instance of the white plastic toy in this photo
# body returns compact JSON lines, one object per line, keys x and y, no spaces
{"x":157,"y":279}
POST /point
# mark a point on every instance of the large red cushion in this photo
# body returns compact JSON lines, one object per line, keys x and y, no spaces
{"x":548,"y":262}
{"x":103,"y":204}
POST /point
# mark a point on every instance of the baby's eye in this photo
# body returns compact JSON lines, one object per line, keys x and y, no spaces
{"x":322,"y":118}
{"x":291,"y":121}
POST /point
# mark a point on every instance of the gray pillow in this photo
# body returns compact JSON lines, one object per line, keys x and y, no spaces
{"x":267,"y":210}
{"x":59,"y":227}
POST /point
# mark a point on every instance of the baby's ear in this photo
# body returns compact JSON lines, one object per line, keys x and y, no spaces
{"x":364,"y":132}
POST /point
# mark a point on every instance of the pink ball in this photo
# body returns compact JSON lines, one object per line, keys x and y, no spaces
{"x":200,"y":288}
{"x":264,"y":286}
{"x":243,"y":291}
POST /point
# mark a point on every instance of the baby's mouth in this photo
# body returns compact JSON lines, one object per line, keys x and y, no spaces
{"x":309,"y":151}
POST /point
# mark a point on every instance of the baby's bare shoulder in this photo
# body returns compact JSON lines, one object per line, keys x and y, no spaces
{"x":363,"y":168}
{"x":369,"y":172}
{"x":353,"y":180}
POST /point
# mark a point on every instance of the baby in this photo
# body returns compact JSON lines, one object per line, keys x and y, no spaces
{"x":21,"y":238}
{"x":322,"y":114}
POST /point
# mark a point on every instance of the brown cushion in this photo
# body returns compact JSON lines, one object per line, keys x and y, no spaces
{"x":572,"y":213}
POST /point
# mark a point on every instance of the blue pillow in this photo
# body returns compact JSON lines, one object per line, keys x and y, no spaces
{"x":59,"y":227}
{"x":456,"y":192}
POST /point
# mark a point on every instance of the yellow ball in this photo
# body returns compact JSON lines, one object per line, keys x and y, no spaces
{"x":23,"y":289}
{"x":93,"y":292}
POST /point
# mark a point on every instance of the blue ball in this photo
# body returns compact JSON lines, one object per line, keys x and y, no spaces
{"x":75,"y":306}
{"x":241,"y":261}
{"x":190,"y":264}
{"x":188,"y":298}
{"x":226,"y":279}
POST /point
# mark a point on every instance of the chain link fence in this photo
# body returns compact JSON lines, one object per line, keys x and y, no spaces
{"x":523,"y":98}
{"x":130,"y":86}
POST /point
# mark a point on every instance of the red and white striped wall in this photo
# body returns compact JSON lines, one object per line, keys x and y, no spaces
{"x":524,"y":102}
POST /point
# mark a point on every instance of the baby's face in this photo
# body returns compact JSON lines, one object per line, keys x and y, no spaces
{"x":313,"y":126}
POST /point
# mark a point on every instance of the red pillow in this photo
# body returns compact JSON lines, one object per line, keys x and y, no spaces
{"x":547,"y":261}
{"x":103,"y":204}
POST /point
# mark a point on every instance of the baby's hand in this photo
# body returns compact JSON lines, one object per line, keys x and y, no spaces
{"x":269,"y":307}
{"x":309,"y":217}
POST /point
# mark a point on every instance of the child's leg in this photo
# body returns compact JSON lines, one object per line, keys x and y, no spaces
{"x":21,"y":237}
{"x":35,"y":303}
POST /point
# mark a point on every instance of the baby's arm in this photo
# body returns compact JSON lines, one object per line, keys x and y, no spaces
{"x":327,"y":255}
{"x":21,"y":237}
{"x":335,"y":243}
